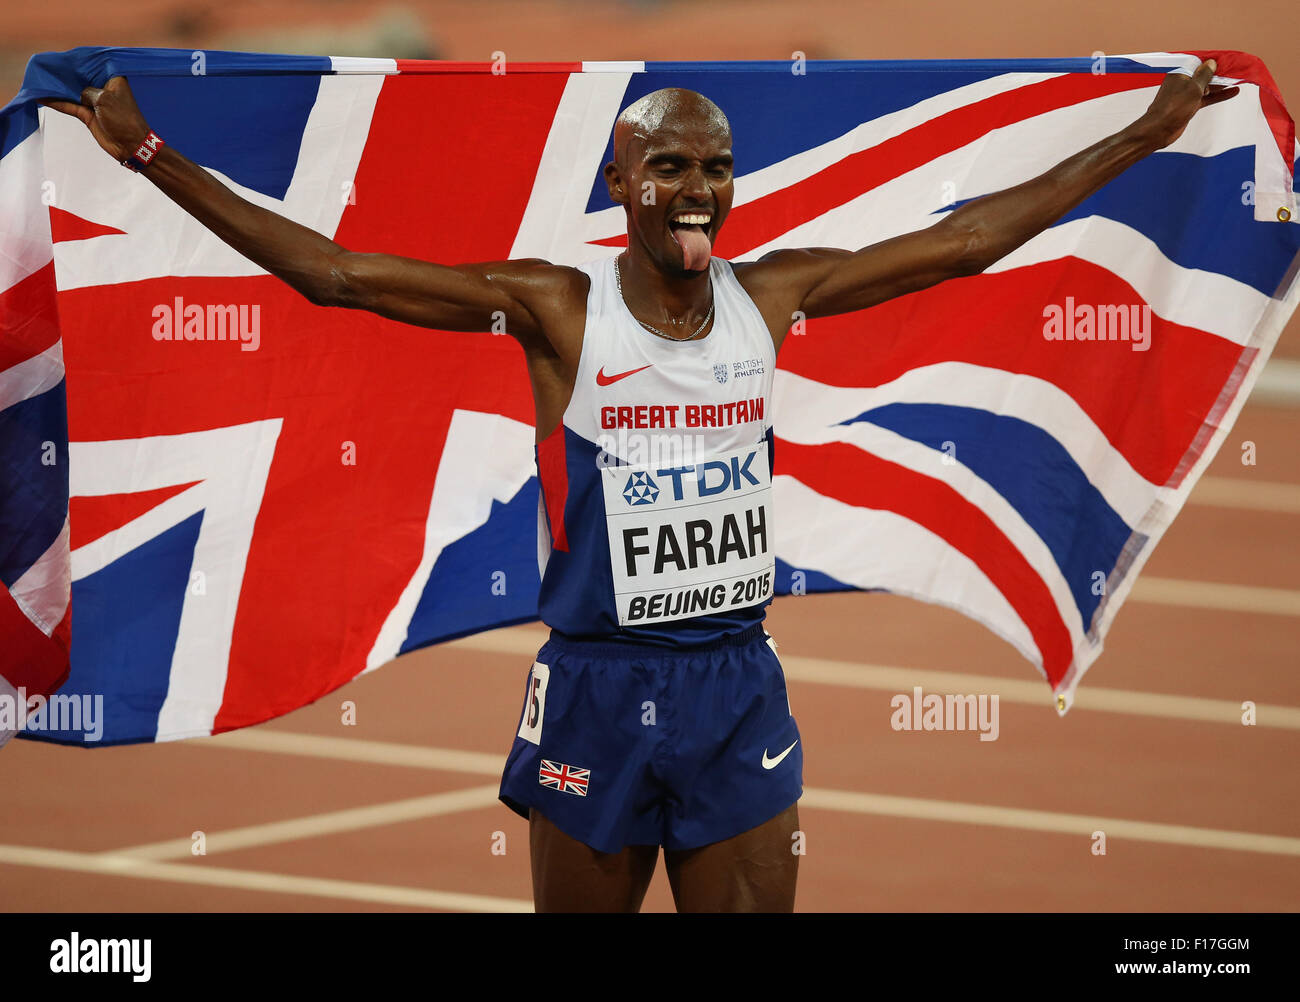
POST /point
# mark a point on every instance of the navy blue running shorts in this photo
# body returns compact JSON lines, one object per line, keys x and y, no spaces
{"x":678,"y":747}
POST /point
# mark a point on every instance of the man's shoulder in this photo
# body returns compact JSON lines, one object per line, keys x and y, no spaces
{"x":775,"y":259}
{"x":785,"y":267}
{"x":556,"y":297}
{"x":770,"y":261}
{"x":545,"y":281}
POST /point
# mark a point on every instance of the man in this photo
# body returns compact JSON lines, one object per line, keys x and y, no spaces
{"x":657,"y":712}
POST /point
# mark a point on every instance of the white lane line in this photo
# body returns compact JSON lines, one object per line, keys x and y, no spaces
{"x":870,"y":803}
{"x":1216,"y":595}
{"x":250,"y":880}
{"x":1278,"y":384}
{"x":1252,"y":495}
{"x":525,"y":640}
{"x":1080,"y":825}
{"x":354,"y":750}
{"x":315,"y":825}
{"x":1143,"y":704}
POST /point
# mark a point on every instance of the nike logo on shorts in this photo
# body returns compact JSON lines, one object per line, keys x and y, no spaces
{"x":604,"y":380}
{"x":772,"y":763}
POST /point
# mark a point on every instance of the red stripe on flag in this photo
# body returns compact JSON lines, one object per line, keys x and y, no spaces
{"x":503,"y":68}
{"x":1244,"y":66}
{"x":62,"y":634}
{"x":92,"y":517}
{"x":30,"y":659}
{"x":756,"y":223}
{"x":29,"y":317}
{"x":1150,"y":405}
{"x":848,"y":474}
{"x":65,"y":225}
{"x":553,"y":470}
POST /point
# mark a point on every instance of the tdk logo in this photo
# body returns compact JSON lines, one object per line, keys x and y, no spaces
{"x":640,"y":490}
{"x":709,"y":479}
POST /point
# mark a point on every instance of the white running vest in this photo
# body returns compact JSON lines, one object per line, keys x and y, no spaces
{"x":657,"y":518}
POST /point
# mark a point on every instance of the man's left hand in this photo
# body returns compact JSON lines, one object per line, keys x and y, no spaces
{"x":1179,"y":98}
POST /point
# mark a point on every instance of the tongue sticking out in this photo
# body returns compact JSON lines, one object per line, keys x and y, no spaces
{"x":695,"y":246}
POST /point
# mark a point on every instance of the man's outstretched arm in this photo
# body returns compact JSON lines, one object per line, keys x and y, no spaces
{"x":823,"y":282}
{"x":461,"y":298}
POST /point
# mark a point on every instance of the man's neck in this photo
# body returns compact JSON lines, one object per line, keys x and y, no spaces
{"x":675,"y":303}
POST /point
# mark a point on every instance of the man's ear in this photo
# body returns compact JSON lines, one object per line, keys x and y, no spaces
{"x":614,"y":179}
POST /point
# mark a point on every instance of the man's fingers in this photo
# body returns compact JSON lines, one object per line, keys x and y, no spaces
{"x":90,"y":96}
{"x":67,"y":107}
{"x":1215,"y":96}
{"x":71,"y":108}
{"x":1204,"y":74}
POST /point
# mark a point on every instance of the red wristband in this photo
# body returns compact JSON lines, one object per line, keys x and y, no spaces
{"x":139,"y":160}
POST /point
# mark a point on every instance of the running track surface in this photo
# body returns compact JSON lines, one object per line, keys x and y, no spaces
{"x":1199,"y":811}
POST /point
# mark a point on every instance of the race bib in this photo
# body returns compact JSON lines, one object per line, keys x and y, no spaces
{"x":690,"y":540}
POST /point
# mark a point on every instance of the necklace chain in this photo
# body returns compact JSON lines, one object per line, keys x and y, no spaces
{"x":618,"y":280}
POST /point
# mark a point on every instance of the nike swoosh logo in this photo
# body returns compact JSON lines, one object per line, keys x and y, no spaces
{"x":772,"y":763}
{"x":604,"y":380}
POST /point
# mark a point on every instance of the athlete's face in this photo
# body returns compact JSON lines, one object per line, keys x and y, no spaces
{"x":674,"y":180}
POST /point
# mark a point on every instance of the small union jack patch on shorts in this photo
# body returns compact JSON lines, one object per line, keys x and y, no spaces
{"x":564,"y":778}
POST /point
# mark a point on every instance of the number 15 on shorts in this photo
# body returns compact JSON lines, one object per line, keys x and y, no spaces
{"x":535,"y":703}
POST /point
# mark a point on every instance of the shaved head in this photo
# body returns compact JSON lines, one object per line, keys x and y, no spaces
{"x":672,"y":173}
{"x":671,"y":107}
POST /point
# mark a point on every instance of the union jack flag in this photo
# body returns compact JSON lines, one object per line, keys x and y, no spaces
{"x":563,"y":777}
{"x":215,"y":530}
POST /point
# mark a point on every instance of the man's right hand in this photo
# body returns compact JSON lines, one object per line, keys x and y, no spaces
{"x":111,"y":114}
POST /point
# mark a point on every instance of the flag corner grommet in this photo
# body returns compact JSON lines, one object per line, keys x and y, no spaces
{"x":1283,"y":214}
